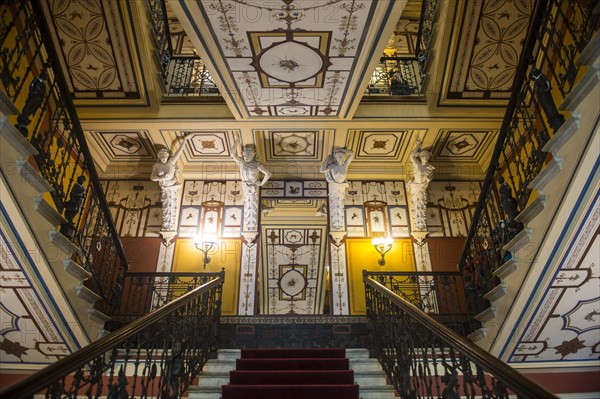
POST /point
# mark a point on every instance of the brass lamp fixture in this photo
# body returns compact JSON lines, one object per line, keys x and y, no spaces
{"x":383,"y":246}
{"x":204,"y":244}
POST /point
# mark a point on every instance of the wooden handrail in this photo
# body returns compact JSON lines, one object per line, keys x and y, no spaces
{"x":34,"y":383}
{"x":510,"y":377}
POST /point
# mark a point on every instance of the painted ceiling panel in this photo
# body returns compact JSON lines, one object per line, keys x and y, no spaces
{"x":464,"y":145}
{"x":289,"y":58}
{"x":97,"y":54}
{"x":487,"y":39}
{"x":297,"y":146}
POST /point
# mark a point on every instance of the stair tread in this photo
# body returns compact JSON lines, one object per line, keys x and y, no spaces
{"x":292,"y":353}
{"x":350,"y":391}
{"x":293,"y":364}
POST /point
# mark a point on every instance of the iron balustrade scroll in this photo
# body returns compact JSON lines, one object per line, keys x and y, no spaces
{"x":425,"y":359}
{"x":441,"y":295}
{"x":546,"y":73}
{"x":64,"y":160}
{"x":158,"y":355}
{"x":141,"y":293}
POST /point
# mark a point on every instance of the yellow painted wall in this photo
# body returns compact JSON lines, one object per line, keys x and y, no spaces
{"x":361,"y":255}
{"x":226,"y":255}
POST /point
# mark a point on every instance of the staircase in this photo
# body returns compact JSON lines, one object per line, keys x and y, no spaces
{"x":26,"y":192}
{"x":360,"y":375}
{"x":574,"y":148}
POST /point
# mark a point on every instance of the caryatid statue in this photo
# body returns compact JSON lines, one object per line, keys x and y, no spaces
{"x":250,"y":170}
{"x":164,"y":171}
{"x":335,"y":167}
{"x":418,"y":186}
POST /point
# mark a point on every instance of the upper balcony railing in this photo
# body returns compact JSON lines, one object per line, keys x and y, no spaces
{"x":546,"y":74}
{"x":188,"y":76}
{"x":182,"y":75}
{"x":395,"y":76}
{"x":429,"y":16}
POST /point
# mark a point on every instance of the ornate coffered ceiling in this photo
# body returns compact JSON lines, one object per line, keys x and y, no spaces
{"x":290,"y":61}
{"x":290,"y":58}
{"x":291,"y":151}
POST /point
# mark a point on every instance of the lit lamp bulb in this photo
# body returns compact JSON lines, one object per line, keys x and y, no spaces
{"x":383,"y":246}
{"x":204,"y":244}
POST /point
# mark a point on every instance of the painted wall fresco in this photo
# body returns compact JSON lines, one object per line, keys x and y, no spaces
{"x":135,"y":207}
{"x":305,"y":274}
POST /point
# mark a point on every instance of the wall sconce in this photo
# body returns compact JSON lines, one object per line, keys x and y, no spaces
{"x":383,"y":246}
{"x":204,"y":244}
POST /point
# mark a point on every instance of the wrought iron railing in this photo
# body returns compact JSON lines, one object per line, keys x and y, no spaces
{"x":424,"y":359}
{"x":441,"y":295}
{"x":546,"y":74}
{"x":188,"y":76}
{"x":183,"y":76}
{"x":429,"y":16}
{"x":49,"y":120}
{"x":395,"y":76}
{"x":161,"y":31}
{"x":158,"y":355}
{"x":404,"y":76}
{"x":141,"y":293}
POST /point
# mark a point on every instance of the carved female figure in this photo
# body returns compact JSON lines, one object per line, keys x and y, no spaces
{"x":418,"y":185}
{"x":335,"y":167}
{"x":164,"y":171}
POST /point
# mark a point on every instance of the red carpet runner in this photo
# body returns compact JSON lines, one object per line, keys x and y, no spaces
{"x":291,"y":374}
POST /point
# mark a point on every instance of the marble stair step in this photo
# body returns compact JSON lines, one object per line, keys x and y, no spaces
{"x":367,"y":378}
{"x":377,"y":392}
{"x":365,"y":365}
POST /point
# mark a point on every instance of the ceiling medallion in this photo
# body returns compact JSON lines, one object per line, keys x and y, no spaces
{"x":290,"y":62}
{"x":292,"y":282}
{"x":286,"y":59}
